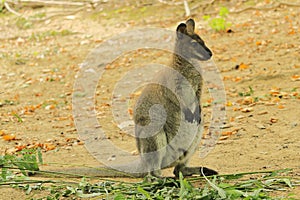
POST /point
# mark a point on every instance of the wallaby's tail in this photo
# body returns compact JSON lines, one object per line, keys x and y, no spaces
{"x":87,"y":172}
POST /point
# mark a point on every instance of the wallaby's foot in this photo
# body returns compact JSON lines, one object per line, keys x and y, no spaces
{"x":153,"y":176}
{"x":156,"y":173}
{"x":189,"y":171}
{"x":207,"y":171}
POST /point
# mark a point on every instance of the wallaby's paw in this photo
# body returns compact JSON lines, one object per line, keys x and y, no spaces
{"x":204,"y":171}
{"x":150,"y":178}
{"x":189,"y":171}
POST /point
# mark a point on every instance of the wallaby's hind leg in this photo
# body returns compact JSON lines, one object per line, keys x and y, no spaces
{"x":189,"y":171}
{"x":151,"y":153}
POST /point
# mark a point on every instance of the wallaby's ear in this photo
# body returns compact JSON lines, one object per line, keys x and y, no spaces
{"x":190,"y":26}
{"x":181,"y":29}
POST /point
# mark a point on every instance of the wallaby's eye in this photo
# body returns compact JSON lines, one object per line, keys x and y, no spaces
{"x":194,"y":43}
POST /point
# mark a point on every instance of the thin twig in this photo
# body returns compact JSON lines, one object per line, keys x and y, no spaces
{"x":172,"y":3}
{"x":276,"y":5}
{"x":65,"y":13}
{"x":36,"y":181}
{"x":243,"y":174}
{"x":26,"y":182}
{"x":289,"y":4}
{"x":48,"y":2}
{"x":186,"y":8}
{"x":6,"y":5}
{"x":202,"y":4}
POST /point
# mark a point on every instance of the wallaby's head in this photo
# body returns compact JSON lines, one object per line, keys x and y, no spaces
{"x":189,"y":44}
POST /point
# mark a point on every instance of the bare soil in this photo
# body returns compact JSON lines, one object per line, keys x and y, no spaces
{"x":259,"y":60}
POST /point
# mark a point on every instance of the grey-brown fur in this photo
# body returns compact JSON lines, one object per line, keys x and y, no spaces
{"x":167,"y":115}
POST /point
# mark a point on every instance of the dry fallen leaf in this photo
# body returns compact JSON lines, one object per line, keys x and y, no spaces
{"x":236,"y":79}
{"x":296,"y":77}
{"x":243,"y":66}
{"x":20,"y":147}
{"x":248,"y":109}
{"x":227,"y":133}
{"x":224,"y":137}
{"x":9,"y":137}
{"x":270,"y":103}
{"x":50,"y":107}
{"x":273,"y":120}
{"x":225,"y":78}
{"x":276,"y":100}
{"x":294,"y":94}
{"x":260,"y":126}
{"x":274,"y":92}
{"x":291,"y":31}
{"x":236,"y":109}
{"x":263,"y":112}
{"x":240,"y":117}
{"x":48,"y":146}
{"x":247,"y":100}
{"x":229,"y":103}
{"x":1,"y":132}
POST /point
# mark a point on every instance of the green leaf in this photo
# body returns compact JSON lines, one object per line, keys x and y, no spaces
{"x":223,"y":12}
{"x":119,"y":197}
{"x":183,"y":186}
{"x":234,"y":193}
{"x":40,"y":158}
{"x":144,"y":192}
{"x":4,"y":174}
{"x":18,"y":117}
{"x":251,"y":91}
{"x":287,"y":182}
{"x":220,"y":191}
{"x":233,"y":176}
{"x":206,"y":17}
{"x":29,"y":189}
{"x":224,"y":185}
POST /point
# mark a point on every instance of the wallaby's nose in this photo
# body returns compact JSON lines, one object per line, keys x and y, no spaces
{"x":209,"y":52}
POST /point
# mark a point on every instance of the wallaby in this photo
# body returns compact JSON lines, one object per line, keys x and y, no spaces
{"x":167,"y":115}
{"x":173,"y":101}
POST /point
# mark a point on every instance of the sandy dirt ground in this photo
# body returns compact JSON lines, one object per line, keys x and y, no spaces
{"x":259,"y":61}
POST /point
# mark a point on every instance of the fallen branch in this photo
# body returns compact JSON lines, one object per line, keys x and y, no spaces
{"x":9,"y":9}
{"x":203,"y":4}
{"x":34,"y":3}
{"x":64,"y":13}
{"x":187,"y":9}
{"x":48,"y":2}
{"x":171,"y":3}
{"x":276,"y":5}
{"x":289,"y":4}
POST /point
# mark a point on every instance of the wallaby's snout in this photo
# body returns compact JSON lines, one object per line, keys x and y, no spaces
{"x":204,"y":53}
